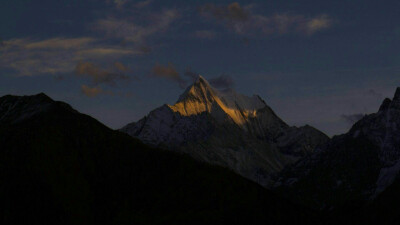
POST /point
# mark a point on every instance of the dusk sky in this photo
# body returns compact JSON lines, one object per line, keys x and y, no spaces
{"x":323,"y":63}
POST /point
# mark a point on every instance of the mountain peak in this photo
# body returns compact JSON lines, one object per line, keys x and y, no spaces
{"x":201,"y":81}
{"x":200,"y":90}
{"x":38,"y":98}
{"x":42,"y":95}
{"x":14,"y":109}
{"x":200,"y":78}
{"x":397,"y":95}
{"x":385,"y":104}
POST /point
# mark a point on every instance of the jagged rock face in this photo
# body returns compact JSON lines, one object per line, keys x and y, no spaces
{"x":383,"y":130}
{"x":229,"y":129}
{"x":221,"y":105}
{"x":352,"y":167}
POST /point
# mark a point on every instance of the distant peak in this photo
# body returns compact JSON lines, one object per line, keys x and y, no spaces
{"x":14,"y":109}
{"x":385,"y":104}
{"x":397,"y":95}
{"x":43,"y":96}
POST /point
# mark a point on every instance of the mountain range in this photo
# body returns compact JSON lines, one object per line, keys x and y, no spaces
{"x":214,"y":157}
{"x":58,"y":166}
{"x":225,"y":128}
{"x":353,"y":167}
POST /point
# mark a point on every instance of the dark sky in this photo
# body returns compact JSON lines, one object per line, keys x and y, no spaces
{"x":323,"y":63}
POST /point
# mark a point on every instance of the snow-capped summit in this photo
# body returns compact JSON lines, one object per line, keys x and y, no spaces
{"x":202,"y":91}
{"x":226,"y":128}
{"x":202,"y":97}
{"x":198,"y":88}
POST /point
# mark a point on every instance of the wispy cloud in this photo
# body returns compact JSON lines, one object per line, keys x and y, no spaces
{"x":121,"y":67}
{"x":244,"y":21}
{"x":145,"y":49}
{"x":316,"y":24}
{"x":99,"y":75}
{"x":92,"y":91}
{"x":168,"y":72}
{"x":123,"y":4}
{"x":55,"y":43}
{"x":231,"y":12}
{"x":97,"y":91}
{"x":143,"y":4}
{"x":100,"y":52}
{"x":55,"y":55}
{"x":127,"y":30}
{"x":120,"y":3}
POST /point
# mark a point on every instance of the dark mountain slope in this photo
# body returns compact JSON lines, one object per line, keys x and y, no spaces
{"x":386,"y":207}
{"x":351,"y":169}
{"x":58,"y":166}
{"x":383,"y":210}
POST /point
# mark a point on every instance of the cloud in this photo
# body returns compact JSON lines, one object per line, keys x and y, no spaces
{"x":352,"y":118}
{"x":129,"y":4}
{"x":58,"y":43}
{"x":205,"y":34}
{"x":132,"y":32}
{"x":92,"y":91}
{"x":145,"y":49}
{"x":222,"y":82}
{"x":120,"y":3}
{"x":242,"y":20}
{"x":97,"y":91}
{"x":56,"y":55}
{"x":60,"y":55}
{"x":168,"y":72}
{"x":99,"y":75}
{"x":121,"y":67}
{"x":143,"y":4}
{"x":100,"y":52}
{"x":231,"y":12}
{"x":28,"y":61}
{"x":316,"y":24}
